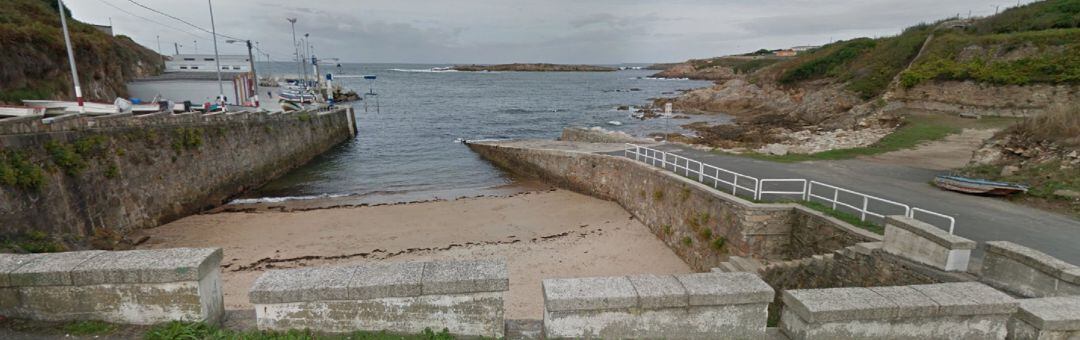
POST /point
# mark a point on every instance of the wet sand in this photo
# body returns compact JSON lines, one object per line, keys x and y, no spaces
{"x":540,"y":234}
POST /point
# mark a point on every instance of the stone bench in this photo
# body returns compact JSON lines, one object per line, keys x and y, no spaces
{"x":1046,"y":319}
{"x":464,"y":297}
{"x":127,"y":287}
{"x":693,"y":306}
{"x":926,"y":244}
{"x":1027,"y":272}
{"x":963,"y":310}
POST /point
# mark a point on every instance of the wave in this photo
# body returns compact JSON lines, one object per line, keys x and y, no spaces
{"x":658,"y":78}
{"x":284,"y":199}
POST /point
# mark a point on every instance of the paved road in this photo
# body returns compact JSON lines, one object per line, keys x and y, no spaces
{"x":977,"y":218}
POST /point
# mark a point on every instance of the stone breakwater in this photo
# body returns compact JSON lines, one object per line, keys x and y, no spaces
{"x":99,"y":177}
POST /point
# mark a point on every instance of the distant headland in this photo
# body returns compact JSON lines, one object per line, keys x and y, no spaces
{"x":533,"y":68}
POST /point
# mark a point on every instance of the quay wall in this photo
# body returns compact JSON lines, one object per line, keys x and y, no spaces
{"x":98,"y":178}
{"x":703,"y":226}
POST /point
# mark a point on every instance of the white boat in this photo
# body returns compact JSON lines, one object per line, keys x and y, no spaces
{"x":21,"y":111}
{"x":61,"y":107}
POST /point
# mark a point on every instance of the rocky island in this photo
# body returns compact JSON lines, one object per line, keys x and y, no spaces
{"x":535,"y":67}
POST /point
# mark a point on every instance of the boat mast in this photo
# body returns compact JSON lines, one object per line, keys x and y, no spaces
{"x":217,"y":58}
{"x":71,"y":58}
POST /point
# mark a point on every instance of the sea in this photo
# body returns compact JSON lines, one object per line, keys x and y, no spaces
{"x":414,"y":118}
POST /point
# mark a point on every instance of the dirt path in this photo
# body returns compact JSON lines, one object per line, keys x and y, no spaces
{"x":954,"y":151}
{"x":541,"y":235}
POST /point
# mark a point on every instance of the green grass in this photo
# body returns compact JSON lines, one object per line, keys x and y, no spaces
{"x":1043,"y":179}
{"x":846,"y":217}
{"x":1038,"y":15}
{"x":1049,"y":56}
{"x":201,"y":331}
{"x":30,"y":242}
{"x":84,"y":328}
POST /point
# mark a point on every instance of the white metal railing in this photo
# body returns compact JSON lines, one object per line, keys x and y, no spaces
{"x":864,"y":205}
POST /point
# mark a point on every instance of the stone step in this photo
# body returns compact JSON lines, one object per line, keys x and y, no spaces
{"x":727,"y":267}
{"x":745,"y":264}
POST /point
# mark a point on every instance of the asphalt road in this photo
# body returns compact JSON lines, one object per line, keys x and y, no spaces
{"x":977,"y":218}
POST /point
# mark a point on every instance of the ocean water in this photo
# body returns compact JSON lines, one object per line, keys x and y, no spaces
{"x":409,"y":143}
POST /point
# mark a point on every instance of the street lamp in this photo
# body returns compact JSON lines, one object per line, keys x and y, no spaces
{"x":251,"y":60}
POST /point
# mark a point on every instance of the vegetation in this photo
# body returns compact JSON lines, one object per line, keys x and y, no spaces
{"x":829,"y":61}
{"x":687,"y":241}
{"x":84,"y":328}
{"x":658,"y":195}
{"x":1040,"y":15}
{"x":187,"y":139}
{"x":843,"y":216}
{"x":16,"y":170}
{"x":719,"y":243}
{"x":31,"y":242}
{"x":72,"y":157}
{"x":1051,"y":56}
{"x":35,"y":62}
{"x":188,"y":330}
{"x":741,"y":65}
{"x":1060,"y":126}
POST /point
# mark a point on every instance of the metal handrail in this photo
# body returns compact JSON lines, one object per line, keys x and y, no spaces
{"x":690,"y":167}
{"x":952,"y":221}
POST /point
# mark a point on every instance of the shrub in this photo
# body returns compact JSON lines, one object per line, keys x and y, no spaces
{"x":719,"y":243}
{"x":686,"y":240}
{"x":658,"y":195}
{"x":828,"y":61}
{"x":17,"y":171}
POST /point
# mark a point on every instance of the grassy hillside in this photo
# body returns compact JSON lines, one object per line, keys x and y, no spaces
{"x":35,"y":59}
{"x":1035,"y":43}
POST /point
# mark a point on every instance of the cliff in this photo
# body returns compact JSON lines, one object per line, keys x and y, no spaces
{"x":1020,"y":62}
{"x":715,"y":69}
{"x":35,"y":59}
{"x":533,"y":68}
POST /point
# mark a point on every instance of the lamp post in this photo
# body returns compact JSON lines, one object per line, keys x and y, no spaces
{"x":71,"y":58}
{"x":217,"y":58}
{"x":254,"y":76}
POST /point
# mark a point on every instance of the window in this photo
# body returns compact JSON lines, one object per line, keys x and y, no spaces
{"x":183,"y":67}
{"x":208,"y":59}
{"x":225,"y":68}
{"x":189,"y":59}
{"x":236,"y":67}
{"x":194,"y":67}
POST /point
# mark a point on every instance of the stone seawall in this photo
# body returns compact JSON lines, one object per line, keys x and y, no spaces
{"x":105,"y":176}
{"x":700,"y":224}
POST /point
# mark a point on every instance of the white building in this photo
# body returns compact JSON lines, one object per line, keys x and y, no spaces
{"x":206,"y":63}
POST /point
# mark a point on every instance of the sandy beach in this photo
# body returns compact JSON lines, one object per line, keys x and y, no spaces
{"x":544,"y":234}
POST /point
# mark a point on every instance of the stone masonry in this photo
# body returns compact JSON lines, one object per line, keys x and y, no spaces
{"x":464,"y":297}
{"x":691,"y":306}
{"x":128,"y":287}
{"x":111,"y":175}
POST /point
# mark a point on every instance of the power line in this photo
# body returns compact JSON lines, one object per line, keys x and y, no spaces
{"x":150,"y":20}
{"x":181,"y":20}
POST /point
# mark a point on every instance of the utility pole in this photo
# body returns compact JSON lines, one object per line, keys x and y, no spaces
{"x":159,"y":49}
{"x":176,"y":46}
{"x":304,"y":48}
{"x":217,"y":58}
{"x":296,"y":52}
{"x":71,"y":58}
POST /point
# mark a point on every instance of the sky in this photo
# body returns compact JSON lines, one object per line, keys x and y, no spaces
{"x":505,"y":31}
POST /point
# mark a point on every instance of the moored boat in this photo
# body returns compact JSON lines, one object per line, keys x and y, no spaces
{"x":20,"y":111}
{"x":977,"y":186}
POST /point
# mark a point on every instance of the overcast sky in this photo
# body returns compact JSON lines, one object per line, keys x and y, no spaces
{"x":502,"y":31}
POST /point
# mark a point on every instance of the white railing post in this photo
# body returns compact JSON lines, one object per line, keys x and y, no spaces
{"x":806,"y":190}
{"x":835,"y":197}
{"x":637,"y":153}
{"x":701,"y":172}
{"x":663,"y":160}
{"x":865,"y":204}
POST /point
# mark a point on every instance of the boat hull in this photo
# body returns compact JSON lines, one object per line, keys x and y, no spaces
{"x":977,"y":187}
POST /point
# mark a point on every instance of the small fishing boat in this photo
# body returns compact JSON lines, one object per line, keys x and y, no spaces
{"x":62,"y":107}
{"x":977,"y":186}
{"x":20,"y":111}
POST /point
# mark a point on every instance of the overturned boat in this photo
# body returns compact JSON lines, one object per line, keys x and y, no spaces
{"x":977,"y":186}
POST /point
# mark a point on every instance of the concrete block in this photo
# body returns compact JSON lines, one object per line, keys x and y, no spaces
{"x":591,"y":293}
{"x":1052,"y":313}
{"x":50,"y":269}
{"x":706,"y":289}
{"x":968,"y":298}
{"x":838,"y":304}
{"x":465,"y":277}
{"x":744,"y":321}
{"x":1033,"y":258}
{"x":148,"y":266}
{"x":386,"y":280}
{"x":910,"y":302}
{"x":924,"y":243}
{"x":656,"y":291}
{"x":278,"y":286}
{"x":11,"y":262}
